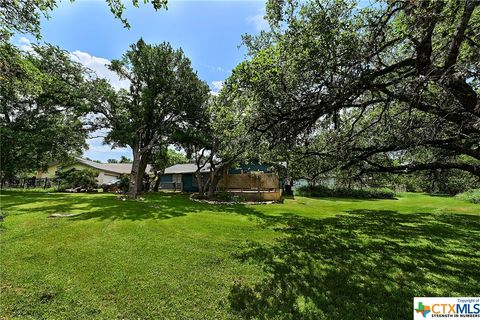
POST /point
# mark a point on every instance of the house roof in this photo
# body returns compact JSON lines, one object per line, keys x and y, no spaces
{"x":185,"y":168}
{"x":120,"y":168}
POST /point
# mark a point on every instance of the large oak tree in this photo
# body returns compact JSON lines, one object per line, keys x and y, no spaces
{"x":43,"y":98}
{"x":393,"y":87}
{"x":220,"y":138}
{"x":164,"y":95}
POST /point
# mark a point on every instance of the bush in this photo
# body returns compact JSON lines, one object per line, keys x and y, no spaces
{"x":73,"y":178}
{"x":224,"y":196}
{"x":472,"y":196}
{"x":439,"y":181}
{"x":123,"y":183}
{"x":370,"y":193}
{"x":228,"y":197}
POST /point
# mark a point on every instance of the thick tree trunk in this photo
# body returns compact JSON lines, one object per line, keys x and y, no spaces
{"x":133,"y":186}
{"x":200,"y":183}
{"x":157,"y":181}
{"x":211,"y":188}
{"x":214,"y":180}
{"x":136,"y":175}
{"x":141,"y":172}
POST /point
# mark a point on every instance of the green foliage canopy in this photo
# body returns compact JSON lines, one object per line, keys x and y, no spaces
{"x":164,"y":95}
{"x":73,"y":178}
{"x":391,"y":88}
{"x":43,"y":97}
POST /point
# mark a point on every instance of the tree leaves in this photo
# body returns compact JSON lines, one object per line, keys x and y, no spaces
{"x":390,"y":79}
{"x":23,"y":16}
{"x":42,"y":102}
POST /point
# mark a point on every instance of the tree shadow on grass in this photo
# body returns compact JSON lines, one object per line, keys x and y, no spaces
{"x":93,"y":206}
{"x":101,"y":206}
{"x":158,"y":207}
{"x":365,"y":264}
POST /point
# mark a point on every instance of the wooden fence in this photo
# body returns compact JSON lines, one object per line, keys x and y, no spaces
{"x":26,"y":183}
{"x":252,"y":186}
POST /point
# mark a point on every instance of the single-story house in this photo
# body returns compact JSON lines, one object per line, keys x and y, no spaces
{"x":237,"y":179}
{"x":250,"y":180}
{"x":107,"y":172}
{"x":181,"y":177}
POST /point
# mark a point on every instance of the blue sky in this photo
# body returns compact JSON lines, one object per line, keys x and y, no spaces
{"x":209,"y":32}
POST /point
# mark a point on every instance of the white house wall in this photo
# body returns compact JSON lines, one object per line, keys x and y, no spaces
{"x":104,"y":178}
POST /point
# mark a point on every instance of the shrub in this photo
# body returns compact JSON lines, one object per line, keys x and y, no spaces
{"x":322,"y":191}
{"x":224,"y":196}
{"x":123,"y":183}
{"x":472,"y":196}
{"x":73,"y":178}
{"x":228,"y":197}
{"x":439,"y":181}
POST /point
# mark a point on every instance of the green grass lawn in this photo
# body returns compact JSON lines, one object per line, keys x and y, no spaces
{"x":170,"y":258}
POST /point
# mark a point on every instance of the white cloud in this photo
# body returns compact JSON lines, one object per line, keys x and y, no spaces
{"x":214,"y":68}
{"x":216,"y":86}
{"x":25,"y":44}
{"x":99,"y":65}
{"x":258,"y":21}
{"x":23,"y":40}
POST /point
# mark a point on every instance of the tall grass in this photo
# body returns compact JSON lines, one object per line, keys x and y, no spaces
{"x":472,"y":196}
